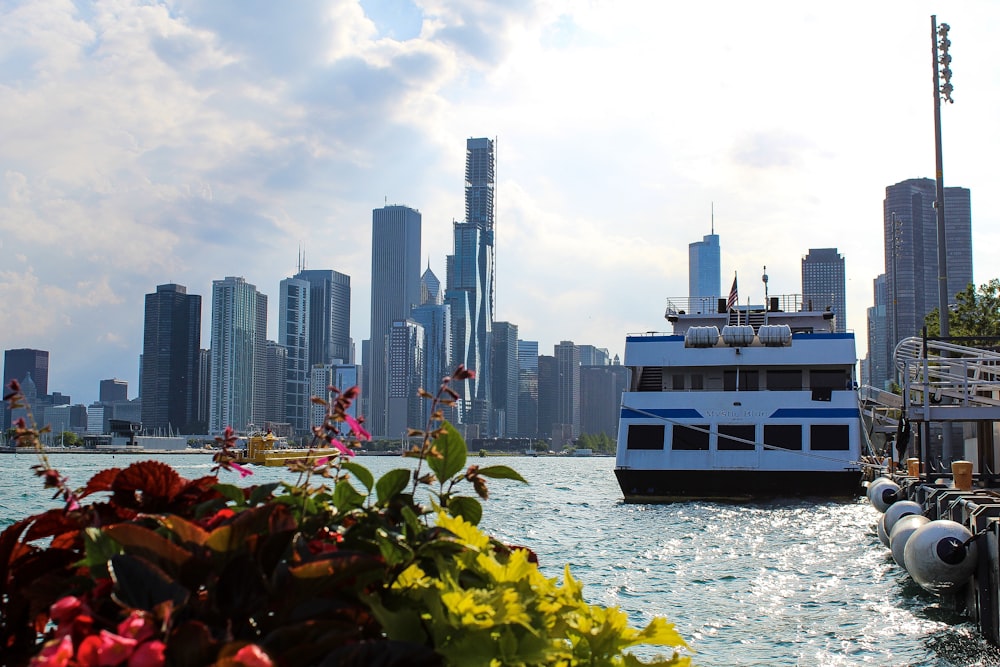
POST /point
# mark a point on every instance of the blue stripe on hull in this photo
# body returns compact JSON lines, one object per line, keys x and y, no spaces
{"x":676,"y":413}
{"x":816,"y":413}
{"x":651,"y":486}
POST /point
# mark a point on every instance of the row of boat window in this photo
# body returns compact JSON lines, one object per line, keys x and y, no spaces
{"x":657,"y":378}
{"x":739,"y":437}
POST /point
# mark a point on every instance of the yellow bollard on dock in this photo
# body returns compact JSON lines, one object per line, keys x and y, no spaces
{"x":961,"y":472}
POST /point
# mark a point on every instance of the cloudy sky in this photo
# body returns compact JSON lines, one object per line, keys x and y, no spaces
{"x":183,"y":141}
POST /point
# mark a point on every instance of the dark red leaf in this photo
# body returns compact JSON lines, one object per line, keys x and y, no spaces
{"x":148,"y":486}
{"x":102,"y":481}
{"x":50,"y":523}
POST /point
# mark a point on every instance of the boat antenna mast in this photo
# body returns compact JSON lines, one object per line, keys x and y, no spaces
{"x":766,"y":307}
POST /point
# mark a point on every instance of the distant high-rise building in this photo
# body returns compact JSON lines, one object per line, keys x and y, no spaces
{"x":204,"y":388}
{"x":824,"y":284}
{"x":314,"y":320}
{"x":405,"y":369}
{"x":435,"y":317}
{"x":505,"y":379}
{"x":274,"y":382}
{"x":18,"y":363}
{"x":705,"y":268}
{"x":113,"y":390}
{"x":171,"y":343}
{"x":880,"y":368}
{"x":548,"y":395}
{"x":527,"y":388}
{"x":238,"y":361}
{"x":593,"y":356}
{"x":601,"y":390}
{"x":471,"y":281}
{"x":568,"y":396}
{"x":395,"y":290}
{"x":324,"y":376}
{"x":293,"y":332}
{"x":911,"y":251}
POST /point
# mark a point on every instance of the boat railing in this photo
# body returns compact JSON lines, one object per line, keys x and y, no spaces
{"x":707,"y":305}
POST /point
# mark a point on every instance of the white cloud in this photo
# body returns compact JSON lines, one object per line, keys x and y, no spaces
{"x":178,"y":141}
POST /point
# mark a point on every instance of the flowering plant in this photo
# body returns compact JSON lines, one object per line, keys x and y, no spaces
{"x":141,"y":567}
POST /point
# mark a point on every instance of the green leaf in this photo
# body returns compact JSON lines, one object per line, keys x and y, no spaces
{"x":394,"y":552}
{"x":261,"y":493}
{"x":453,"y":452}
{"x":99,"y":548}
{"x":231,"y":492}
{"x":502,"y":472}
{"x":466,"y":507}
{"x":345,"y":497}
{"x":362,"y":473}
{"x":391,"y":484}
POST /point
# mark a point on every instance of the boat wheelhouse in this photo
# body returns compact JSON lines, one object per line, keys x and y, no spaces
{"x":736,"y":404}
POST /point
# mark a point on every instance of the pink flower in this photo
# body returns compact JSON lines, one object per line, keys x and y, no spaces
{"x":252,"y":655}
{"x":242,"y":470}
{"x":56,"y":653}
{"x":342,"y":448}
{"x":65,"y":608}
{"x":105,"y":650}
{"x":150,"y":654}
{"x":356,"y":428}
{"x":137,"y":626}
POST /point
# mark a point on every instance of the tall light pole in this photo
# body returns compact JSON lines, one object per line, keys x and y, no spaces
{"x":942,"y":91}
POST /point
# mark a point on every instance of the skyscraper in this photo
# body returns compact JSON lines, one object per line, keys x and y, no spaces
{"x":112,"y":390}
{"x":395,"y":290}
{"x":824,"y":284}
{"x":31,"y":369}
{"x":171,"y":344}
{"x":704,"y":269}
{"x":505,"y":378}
{"x":880,"y":370}
{"x":568,"y":393}
{"x":18,"y":363}
{"x":294,"y":316}
{"x":405,"y":361}
{"x":527,"y":388}
{"x":275,"y":377}
{"x":238,"y":359}
{"x":435,"y":317}
{"x":315,"y":328}
{"x":601,"y":390}
{"x":471,"y":281}
{"x":911,"y":251}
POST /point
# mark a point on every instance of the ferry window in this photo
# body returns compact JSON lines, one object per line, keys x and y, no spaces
{"x":693,"y":437}
{"x":742,"y":431}
{"x":697,"y":381}
{"x":678,"y":382}
{"x":826,"y":379}
{"x":830,"y":437}
{"x":749,"y":380}
{"x":785,"y":436}
{"x":784,"y":380}
{"x":645,"y":436}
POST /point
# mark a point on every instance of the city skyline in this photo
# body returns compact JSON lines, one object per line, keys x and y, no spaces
{"x":209,"y":147}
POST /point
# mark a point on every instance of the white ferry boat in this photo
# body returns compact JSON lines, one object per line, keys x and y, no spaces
{"x":750,"y":403}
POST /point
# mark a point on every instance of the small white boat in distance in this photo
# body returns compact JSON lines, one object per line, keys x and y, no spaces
{"x":749,"y":403}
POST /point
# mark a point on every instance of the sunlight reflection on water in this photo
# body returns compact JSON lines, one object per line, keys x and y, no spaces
{"x":785,"y":583}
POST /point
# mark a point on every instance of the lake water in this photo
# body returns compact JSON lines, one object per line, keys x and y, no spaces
{"x":785,"y":583}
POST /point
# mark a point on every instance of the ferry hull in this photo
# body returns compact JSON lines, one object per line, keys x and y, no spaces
{"x":653,"y":486}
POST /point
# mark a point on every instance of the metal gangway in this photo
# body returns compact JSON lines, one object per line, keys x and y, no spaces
{"x":940,"y":382}
{"x":946,"y":382}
